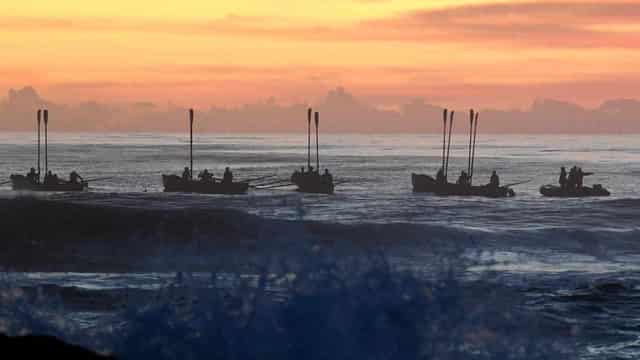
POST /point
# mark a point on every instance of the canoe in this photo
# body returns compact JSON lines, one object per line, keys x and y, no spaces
{"x":174,"y":183}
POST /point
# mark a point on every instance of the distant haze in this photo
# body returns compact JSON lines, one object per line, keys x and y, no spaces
{"x":340,"y":111}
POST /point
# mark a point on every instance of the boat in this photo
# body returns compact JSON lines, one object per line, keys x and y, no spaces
{"x":583,"y":191}
{"x":51,"y":182}
{"x":427,"y":184}
{"x":422,"y":183}
{"x":311,"y":181}
{"x":174,"y":183}
{"x":23,"y":183}
{"x":208,"y":185}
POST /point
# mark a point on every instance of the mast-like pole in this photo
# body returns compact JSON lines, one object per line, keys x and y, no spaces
{"x":470,"y":136}
{"x":39,"y":120}
{"x":46,"y":142}
{"x":309,"y":113}
{"x":473,"y":154}
{"x":446,"y":166}
{"x":317,"y":146}
{"x":444,"y":136}
{"x":191,"y":143}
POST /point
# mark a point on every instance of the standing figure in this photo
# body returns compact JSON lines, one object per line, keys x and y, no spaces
{"x":563,"y":178}
{"x":494,"y":182}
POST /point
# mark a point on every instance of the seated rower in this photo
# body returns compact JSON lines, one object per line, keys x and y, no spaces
{"x":205,"y":176}
{"x":186,"y":174}
{"x":74,"y":177}
{"x":227,"y":178}
{"x":327,"y":175}
{"x":32,"y":176}
{"x":463,"y":179}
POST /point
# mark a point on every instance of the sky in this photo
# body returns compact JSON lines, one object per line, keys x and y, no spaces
{"x":483,"y":53}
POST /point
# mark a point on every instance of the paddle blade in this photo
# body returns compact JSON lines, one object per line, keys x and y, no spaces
{"x":317,"y":118}
{"x":191,"y":115}
{"x":309,"y":112}
{"x":444,"y":116}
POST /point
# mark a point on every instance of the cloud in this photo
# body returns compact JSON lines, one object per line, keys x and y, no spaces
{"x":566,"y":24}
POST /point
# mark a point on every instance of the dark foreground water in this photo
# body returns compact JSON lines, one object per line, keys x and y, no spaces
{"x":371,"y":272}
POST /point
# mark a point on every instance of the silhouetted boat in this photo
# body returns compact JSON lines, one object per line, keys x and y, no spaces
{"x":174,"y":183}
{"x":427,"y":184}
{"x":22,"y":183}
{"x":32,"y":182}
{"x":583,"y":191}
{"x":422,"y":183}
{"x":311,"y":181}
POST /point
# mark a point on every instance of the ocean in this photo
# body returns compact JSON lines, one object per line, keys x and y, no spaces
{"x":127,"y":269}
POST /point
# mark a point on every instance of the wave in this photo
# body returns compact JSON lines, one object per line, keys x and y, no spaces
{"x":61,"y":236}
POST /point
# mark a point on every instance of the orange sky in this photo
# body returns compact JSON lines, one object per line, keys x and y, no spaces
{"x":201,"y":53}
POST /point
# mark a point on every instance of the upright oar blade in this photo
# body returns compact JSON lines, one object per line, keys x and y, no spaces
{"x":470,"y":136}
{"x":317,"y":145}
{"x":46,"y":142}
{"x":39,"y":120}
{"x":444,"y":135}
{"x":473,"y":151}
{"x":309,"y":113}
{"x":191,"y":143}
{"x":446,"y":166}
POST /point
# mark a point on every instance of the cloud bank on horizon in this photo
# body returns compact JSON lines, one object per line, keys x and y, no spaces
{"x":486,"y":53}
{"x":340,"y":111}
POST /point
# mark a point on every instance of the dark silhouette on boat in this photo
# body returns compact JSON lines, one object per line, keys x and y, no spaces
{"x":311,"y":181}
{"x":463,"y":187}
{"x":206,"y":183}
{"x":571,"y":185}
{"x":32,"y":180}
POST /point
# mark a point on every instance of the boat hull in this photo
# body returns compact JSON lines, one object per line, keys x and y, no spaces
{"x":313,"y":183}
{"x":173,"y":183}
{"x":584,"y":191}
{"x":22,"y":183}
{"x":426,"y":184}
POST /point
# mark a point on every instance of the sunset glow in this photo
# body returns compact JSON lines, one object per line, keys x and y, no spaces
{"x":202,"y":53}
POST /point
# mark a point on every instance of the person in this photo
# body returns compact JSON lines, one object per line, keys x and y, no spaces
{"x":205,"y":175}
{"x":563,"y":178}
{"x":186,"y":174}
{"x":440,"y":178}
{"x":74,"y":177}
{"x":51,"y":178}
{"x":579,"y":178}
{"x":327,"y":175}
{"x":228,"y":176}
{"x":571,"y":179}
{"x":463,"y":179}
{"x":32,"y":176}
{"x":310,"y":169}
{"x":494,"y":182}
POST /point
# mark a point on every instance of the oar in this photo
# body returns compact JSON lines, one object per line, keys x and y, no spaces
{"x":273,"y":182}
{"x":5,"y":182}
{"x":99,"y":179}
{"x":517,"y":183}
{"x":258,"y":178}
{"x":273,"y":187}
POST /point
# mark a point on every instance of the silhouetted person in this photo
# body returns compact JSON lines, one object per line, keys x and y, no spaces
{"x":311,"y":170}
{"x":205,"y":175}
{"x":74,"y":177}
{"x":227,"y":178}
{"x":563,"y":178}
{"x":572,"y":178}
{"x":32,"y":176}
{"x":327,"y":175}
{"x":463,"y":179}
{"x":579,"y":177}
{"x":302,"y":170}
{"x":186,"y":174}
{"x":494,"y":182}
{"x":440,"y":178}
